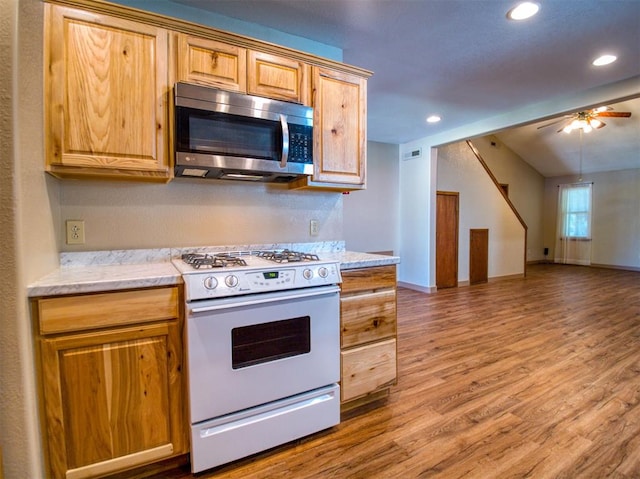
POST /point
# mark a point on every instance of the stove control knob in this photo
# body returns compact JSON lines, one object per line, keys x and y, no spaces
{"x":231,"y":281}
{"x":323,"y":272}
{"x":307,"y":273}
{"x":210,"y":282}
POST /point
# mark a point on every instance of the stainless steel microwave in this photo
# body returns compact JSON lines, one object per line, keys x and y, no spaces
{"x":225,"y":135}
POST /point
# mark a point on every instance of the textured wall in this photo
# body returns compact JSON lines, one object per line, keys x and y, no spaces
{"x":195,"y":213}
{"x":526,"y":189}
{"x":371,"y":221}
{"x":27,"y":234}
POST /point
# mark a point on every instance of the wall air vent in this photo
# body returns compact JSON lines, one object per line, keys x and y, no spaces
{"x":412,"y":154}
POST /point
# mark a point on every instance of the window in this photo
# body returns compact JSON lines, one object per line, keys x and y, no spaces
{"x":575,"y":202}
{"x":573,"y":239}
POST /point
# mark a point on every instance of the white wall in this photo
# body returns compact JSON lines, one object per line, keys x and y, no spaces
{"x":417,"y":209}
{"x":615,"y":218}
{"x":526,"y":188}
{"x":481,"y":205}
{"x":370,"y":217}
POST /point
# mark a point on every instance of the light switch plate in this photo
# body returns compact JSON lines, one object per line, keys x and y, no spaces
{"x":75,"y":231}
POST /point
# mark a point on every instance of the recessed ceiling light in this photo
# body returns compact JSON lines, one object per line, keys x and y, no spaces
{"x":523,"y":10}
{"x":604,"y":60}
{"x":433,"y":119}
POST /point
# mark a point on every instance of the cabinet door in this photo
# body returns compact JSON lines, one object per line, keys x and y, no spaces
{"x":339,"y":127}
{"x":273,"y":76}
{"x":368,"y":368}
{"x":213,"y":63}
{"x":112,"y":399}
{"x":106,"y":87}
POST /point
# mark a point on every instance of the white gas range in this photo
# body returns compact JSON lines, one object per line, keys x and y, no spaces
{"x":263,"y":350}
{"x":224,"y":274}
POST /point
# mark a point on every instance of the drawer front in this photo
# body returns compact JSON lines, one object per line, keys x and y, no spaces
{"x":368,"y":317}
{"x":368,"y":368}
{"x":365,"y":279}
{"x":77,"y":313}
{"x":213,"y":63}
{"x":273,"y":76}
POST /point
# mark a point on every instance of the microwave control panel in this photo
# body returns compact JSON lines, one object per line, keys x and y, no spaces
{"x":300,"y":144}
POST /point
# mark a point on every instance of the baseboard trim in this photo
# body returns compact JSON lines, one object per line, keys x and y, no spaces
{"x":415,"y":287}
{"x":505,"y":277}
{"x":613,"y":266}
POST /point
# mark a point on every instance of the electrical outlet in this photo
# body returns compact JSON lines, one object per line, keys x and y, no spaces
{"x":75,"y":231}
{"x":313,"y":228}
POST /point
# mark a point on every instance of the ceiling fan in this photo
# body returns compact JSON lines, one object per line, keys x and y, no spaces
{"x":587,"y":120}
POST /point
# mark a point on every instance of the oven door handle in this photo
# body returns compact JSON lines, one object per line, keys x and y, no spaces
{"x":285,"y":141}
{"x":253,"y":302}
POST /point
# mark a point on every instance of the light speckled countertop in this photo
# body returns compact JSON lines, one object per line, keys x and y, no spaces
{"x":95,"y":271}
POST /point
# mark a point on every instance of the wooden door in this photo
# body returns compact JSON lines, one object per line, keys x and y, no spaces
{"x":478,"y":256}
{"x":112,"y":399}
{"x":446,"y":239}
{"x":339,"y":118}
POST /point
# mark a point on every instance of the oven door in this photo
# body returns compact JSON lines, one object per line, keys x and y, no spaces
{"x":250,"y":350}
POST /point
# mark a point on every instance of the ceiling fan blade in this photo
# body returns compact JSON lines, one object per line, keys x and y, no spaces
{"x":601,"y":125}
{"x":614,"y":114}
{"x":601,"y":109}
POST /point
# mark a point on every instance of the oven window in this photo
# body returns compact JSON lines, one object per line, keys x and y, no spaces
{"x":264,"y":342}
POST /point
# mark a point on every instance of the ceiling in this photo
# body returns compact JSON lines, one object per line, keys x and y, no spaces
{"x":463,"y":60}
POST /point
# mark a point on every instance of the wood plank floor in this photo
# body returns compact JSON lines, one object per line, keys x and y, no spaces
{"x":536,"y":377}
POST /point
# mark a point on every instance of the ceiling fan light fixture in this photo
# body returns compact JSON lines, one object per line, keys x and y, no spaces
{"x":523,"y":10}
{"x":604,"y":60}
{"x":433,"y":119}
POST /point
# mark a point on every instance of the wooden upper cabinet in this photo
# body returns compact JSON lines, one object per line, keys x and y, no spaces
{"x":229,"y":67}
{"x":106,"y":90}
{"x":273,"y":76}
{"x":213,"y":63}
{"x":340,"y":136}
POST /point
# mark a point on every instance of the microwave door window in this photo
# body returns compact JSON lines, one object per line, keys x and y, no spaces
{"x":230,"y":135}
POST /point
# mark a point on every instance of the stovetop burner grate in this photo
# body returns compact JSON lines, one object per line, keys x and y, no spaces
{"x":198,"y":260}
{"x":287,"y":256}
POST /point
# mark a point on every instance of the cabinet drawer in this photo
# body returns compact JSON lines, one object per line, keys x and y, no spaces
{"x":77,"y":313}
{"x":273,"y":76}
{"x":368,"y":368}
{"x":365,"y":279}
{"x":212,"y":63}
{"x":368,"y":317}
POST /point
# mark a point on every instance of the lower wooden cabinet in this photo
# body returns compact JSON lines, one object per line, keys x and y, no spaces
{"x":368,"y":334}
{"x":112,"y":387}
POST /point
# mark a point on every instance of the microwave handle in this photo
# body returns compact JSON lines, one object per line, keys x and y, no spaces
{"x":285,"y":141}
